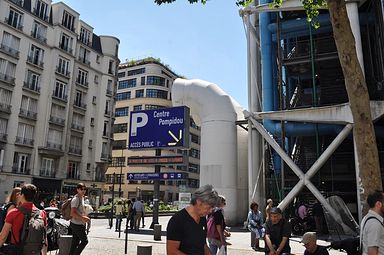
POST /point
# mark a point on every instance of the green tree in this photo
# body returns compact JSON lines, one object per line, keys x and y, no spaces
{"x":364,"y":135}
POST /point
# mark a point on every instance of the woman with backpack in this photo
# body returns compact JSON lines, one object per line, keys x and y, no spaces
{"x":11,"y":202}
{"x":216,"y":232}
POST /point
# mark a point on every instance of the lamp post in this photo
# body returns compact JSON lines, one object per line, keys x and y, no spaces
{"x":121,"y":170}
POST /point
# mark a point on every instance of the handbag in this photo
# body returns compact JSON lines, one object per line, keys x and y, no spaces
{"x":222,"y":251}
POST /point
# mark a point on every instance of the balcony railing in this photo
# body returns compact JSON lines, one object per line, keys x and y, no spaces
{"x":3,"y":137}
{"x":40,"y":37}
{"x":77,"y":127}
{"x":31,"y":86}
{"x":65,"y":48}
{"x":40,"y":15}
{"x":5,"y":107}
{"x":54,"y":146}
{"x":109,"y":92}
{"x":18,"y":2}
{"x":82,"y":82}
{"x":61,"y":71}
{"x":7,"y":78}
{"x":105,"y":156}
{"x":28,"y":114}
{"x":75,"y":176}
{"x":57,"y":120}
{"x":62,"y":97}
{"x":16,"y":25}
{"x":75,"y":150}
{"x":10,"y":51}
{"x":24,"y":141}
{"x":35,"y":61}
{"x":20,"y":170}
{"x":80,"y":105}
{"x":84,"y":61}
{"x":47,"y":172}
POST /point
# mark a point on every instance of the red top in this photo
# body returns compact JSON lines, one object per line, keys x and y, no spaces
{"x":16,"y":218}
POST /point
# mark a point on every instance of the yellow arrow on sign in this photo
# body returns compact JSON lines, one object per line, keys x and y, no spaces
{"x":175,"y":138}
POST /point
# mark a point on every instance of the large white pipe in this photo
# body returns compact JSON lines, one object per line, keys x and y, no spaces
{"x":216,"y":113}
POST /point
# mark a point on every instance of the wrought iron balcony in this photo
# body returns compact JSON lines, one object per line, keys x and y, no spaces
{"x":28,"y":114}
{"x":84,"y":61}
{"x":18,"y":2}
{"x":57,"y":120}
{"x":14,"y":24}
{"x":75,"y":176}
{"x":62,"y":71}
{"x":75,"y":150}
{"x":77,"y":127}
{"x":40,"y":15}
{"x":5,"y":107}
{"x":65,"y":48}
{"x":60,"y":96}
{"x":20,"y":170}
{"x":80,"y":105}
{"x":54,"y":146}
{"x":24,"y":141}
{"x":47,"y":172}
{"x":38,"y":36}
{"x":7,"y":78}
{"x":32,"y":87}
{"x":10,"y":51}
{"x":35,"y":61}
{"x":109,"y":92}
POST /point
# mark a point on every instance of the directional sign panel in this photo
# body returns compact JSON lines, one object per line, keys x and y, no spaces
{"x":156,"y":176}
{"x":156,"y":160}
{"x":159,"y":128}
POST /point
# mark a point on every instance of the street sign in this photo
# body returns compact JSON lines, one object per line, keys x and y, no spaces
{"x":156,"y":176}
{"x":156,"y":160}
{"x":159,"y":128}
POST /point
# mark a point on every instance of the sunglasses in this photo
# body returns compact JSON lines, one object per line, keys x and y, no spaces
{"x":83,"y":189}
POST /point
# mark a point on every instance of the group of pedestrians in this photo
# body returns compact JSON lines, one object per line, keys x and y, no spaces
{"x":135,"y":214}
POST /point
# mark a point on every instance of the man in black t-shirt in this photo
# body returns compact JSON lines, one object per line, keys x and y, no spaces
{"x":277,"y":233}
{"x":187,"y":229}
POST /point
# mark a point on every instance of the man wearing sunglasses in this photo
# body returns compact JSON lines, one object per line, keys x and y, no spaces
{"x":78,"y":221}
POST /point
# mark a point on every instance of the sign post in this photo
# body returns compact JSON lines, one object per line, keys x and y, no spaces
{"x":157,"y":129}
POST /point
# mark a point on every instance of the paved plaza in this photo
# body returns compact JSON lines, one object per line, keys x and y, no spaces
{"x":103,"y":240}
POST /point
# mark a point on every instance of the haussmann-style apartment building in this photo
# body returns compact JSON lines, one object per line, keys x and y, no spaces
{"x":145,"y":85}
{"x":57,"y":82}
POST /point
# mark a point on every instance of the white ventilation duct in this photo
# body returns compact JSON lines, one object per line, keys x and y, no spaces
{"x":216,"y":113}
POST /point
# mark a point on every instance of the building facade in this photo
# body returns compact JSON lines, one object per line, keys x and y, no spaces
{"x":57,"y":82}
{"x":145,"y":85}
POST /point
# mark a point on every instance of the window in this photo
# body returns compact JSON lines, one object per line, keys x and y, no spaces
{"x":153,"y":107}
{"x":139,"y":93}
{"x":28,"y":105}
{"x":107,"y":107}
{"x":131,"y":83}
{"x":96,"y":79}
{"x":121,"y":74}
{"x":78,"y":121}
{"x":136,"y":71}
{"x":121,"y":112}
{"x":33,"y":80}
{"x":155,"y":80}
{"x":41,"y":9}
{"x":73,"y":170}
{"x":10,"y":44}
{"x":92,"y":122}
{"x":137,"y":107}
{"x":60,"y":90}
{"x":82,"y":77}
{"x":3,"y":127}
{"x":39,"y":31}
{"x":195,"y":139}
{"x":63,"y":66}
{"x":94,"y":98}
{"x":193,"y":168}
{"x":54,"y":139}
{"x":194,"y":153}
{"x":36,"y":55}
{"x":84,"y":55}
{"x":105,"y":128}
{"x":75,"y":144}
{"x":24,"y":134}
{"x":58,"y":111}
{"x":5,"y":98}
{"x":7,"y":70}
{"x":123,"y":96}
{"x":104,"y":150}
{"x":117,"y":161}
{"x":156,"y":93}
{"x":68,"y":21}
{"x":15,"y":19}
{"x":79,"y":99}
{"x":21,"y":163}
{"x":143,"y":80}
{"x":85,"y":36}
{"x":120,"y":128}
{"x":111,"y":68}
{"x":66,"y":43}
{"x":119,"y":144}
{"x":47,"y":167}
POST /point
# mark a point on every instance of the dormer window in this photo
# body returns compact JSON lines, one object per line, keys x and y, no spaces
{"x":68,"y":21}
{"x":85,"y":36}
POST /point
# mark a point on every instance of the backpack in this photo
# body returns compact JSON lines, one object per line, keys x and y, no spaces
{"x":212,"y":232}
{"x":360,"y":249}
{"x":3,"y":213}
{"x":66,"y":209}
{"x":33,"y":232}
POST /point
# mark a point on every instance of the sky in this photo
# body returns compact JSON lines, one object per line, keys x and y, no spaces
{"x":197,"y":41}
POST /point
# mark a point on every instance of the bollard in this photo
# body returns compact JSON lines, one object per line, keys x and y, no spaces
{"x":65,"y":244}
{"x":144,"y":250}
{"x":157,"y":232}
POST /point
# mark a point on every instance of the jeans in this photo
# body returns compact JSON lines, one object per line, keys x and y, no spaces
{"x":79,"y":239}
{"x":119,"y":218}
{"x":214,"y":245}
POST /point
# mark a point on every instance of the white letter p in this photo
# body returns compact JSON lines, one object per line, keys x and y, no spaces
{"x":139,"y":119}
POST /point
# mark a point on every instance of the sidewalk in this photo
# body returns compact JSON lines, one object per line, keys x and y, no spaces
{"x":103,"y":240}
